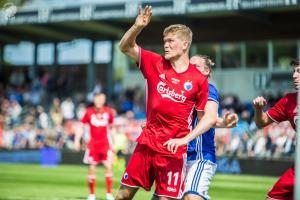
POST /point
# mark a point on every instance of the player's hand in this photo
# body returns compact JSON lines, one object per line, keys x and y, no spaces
{"x":173,"y":144}
{"x":259,"y":102}
{"x":77,"y":146}
{"x":113,"y":149}
{"x":143,"y":125}
{"x":143,"y":17}
{"x":230,"y":119}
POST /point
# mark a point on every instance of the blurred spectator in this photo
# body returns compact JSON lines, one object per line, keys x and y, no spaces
{"x":43,"y":119}
{"x":13,"y":111}
{"x":56,"y":113}
{"x":68,"y":108}
{"x":33,"y":123}
{"x":80,"y":110}
{"x":260,"y":144}
{"x":1,"y":130}
{"x":98,"y":88}
{"x":17,"y":78}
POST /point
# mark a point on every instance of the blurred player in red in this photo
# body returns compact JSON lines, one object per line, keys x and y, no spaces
{"x":174,"y":88}
{"x":99,"y":149}
{"x":285,"y":109}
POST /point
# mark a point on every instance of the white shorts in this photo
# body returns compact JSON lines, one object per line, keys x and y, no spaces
{"x":199,"y":176}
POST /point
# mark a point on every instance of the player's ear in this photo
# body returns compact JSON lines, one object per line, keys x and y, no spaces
{"x":185,"y":45}
{"x":206,"y":72}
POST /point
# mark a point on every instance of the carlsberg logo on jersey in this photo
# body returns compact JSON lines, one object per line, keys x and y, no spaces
{"x":166,"y":92}
{"x":99,"y":120}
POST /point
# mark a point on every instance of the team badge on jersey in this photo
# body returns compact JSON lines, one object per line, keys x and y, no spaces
{"x":126,"y":176}
{"x":188,"y":85}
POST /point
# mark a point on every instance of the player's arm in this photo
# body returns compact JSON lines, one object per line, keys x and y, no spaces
{"x":128,"y":42}
{"x":207,"y":120}
{"x":143,"y":125}
{"x":111,"y":138}
{"x":260,"y":117}
{"x":78,"y":135}
{"x":229,"y":120}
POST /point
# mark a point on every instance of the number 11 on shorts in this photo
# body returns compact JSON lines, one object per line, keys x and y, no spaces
{"x":171,"y":175}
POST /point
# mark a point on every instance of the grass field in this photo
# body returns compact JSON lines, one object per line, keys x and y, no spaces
{"x":67,"y":182}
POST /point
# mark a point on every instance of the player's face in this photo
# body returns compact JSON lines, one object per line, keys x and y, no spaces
{"x":99,"y":100}
{"x":174,"y":46}
{"x":200,"y":65}
{"x":296,"y":74}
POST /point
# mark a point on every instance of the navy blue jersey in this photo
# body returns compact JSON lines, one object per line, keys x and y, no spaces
{"x":203,"y":147}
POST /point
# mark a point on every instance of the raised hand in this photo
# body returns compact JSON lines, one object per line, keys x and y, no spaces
{"x":144,"y":16}
{"x":143,"y":125}
{"x":77,"y":146}
{"x":259,"y":102}
{"x":230,"y":120}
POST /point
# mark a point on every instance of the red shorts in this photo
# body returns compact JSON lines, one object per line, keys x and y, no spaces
{"x":146,"y":166}
{"x":284,"y":187}
{"x":94,"y":156}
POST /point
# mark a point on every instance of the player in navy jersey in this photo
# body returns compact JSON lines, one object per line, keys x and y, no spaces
{"x":201,"y":158}
{"x":284,"y":110}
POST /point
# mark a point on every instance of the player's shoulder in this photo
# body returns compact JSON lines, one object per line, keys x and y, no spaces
{"x":89,"y":109}
{"x":108,"y":109}
{"x":213,"y":92}
{"x":150,"y":54}
{"x":212,"y":88}
{"x":197,"y":74}
{"x":291,"y":96}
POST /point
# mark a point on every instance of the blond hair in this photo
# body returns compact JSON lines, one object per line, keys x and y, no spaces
{"x":181,"y":30}
{"x":208,"y":62}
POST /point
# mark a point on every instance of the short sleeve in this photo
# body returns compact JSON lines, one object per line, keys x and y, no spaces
{"x":148,"y":61}
{"x":202,"y":96}
{"x":111,"y":117}
{"x":85,"y":119}
{"x":277,"y":112}
{"x":213,"y":93}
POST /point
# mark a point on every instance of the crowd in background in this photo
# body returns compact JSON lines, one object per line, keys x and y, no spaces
{"x":32,"y":116}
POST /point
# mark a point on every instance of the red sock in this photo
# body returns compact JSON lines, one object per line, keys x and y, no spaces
{"x":92,"y":183}
{"x":108,"y":180}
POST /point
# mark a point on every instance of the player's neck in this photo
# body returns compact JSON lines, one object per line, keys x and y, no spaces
{"x":98,"y":109}
{"x":181,"y":63}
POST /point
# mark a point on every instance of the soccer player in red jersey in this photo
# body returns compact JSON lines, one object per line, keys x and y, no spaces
{"x":99,"y":149}
{"x":174,"y":88}
{"x":285,"y":109}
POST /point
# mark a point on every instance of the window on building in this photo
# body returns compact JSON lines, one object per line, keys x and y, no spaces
{"x":19,"y":54}
{"x":257,"y":54}
{"x":45,"y":54}
{"x":230,"y":55}
{"x":74,"y":52}
{"x":284,"y":51}
{"x":103,"y":51}
{"x":205,"y":49}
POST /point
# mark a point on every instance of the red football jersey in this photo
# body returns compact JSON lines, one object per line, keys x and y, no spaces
{"x":171,"y":98}
{"x":285,"y":109}
{"x":98,"y":121}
